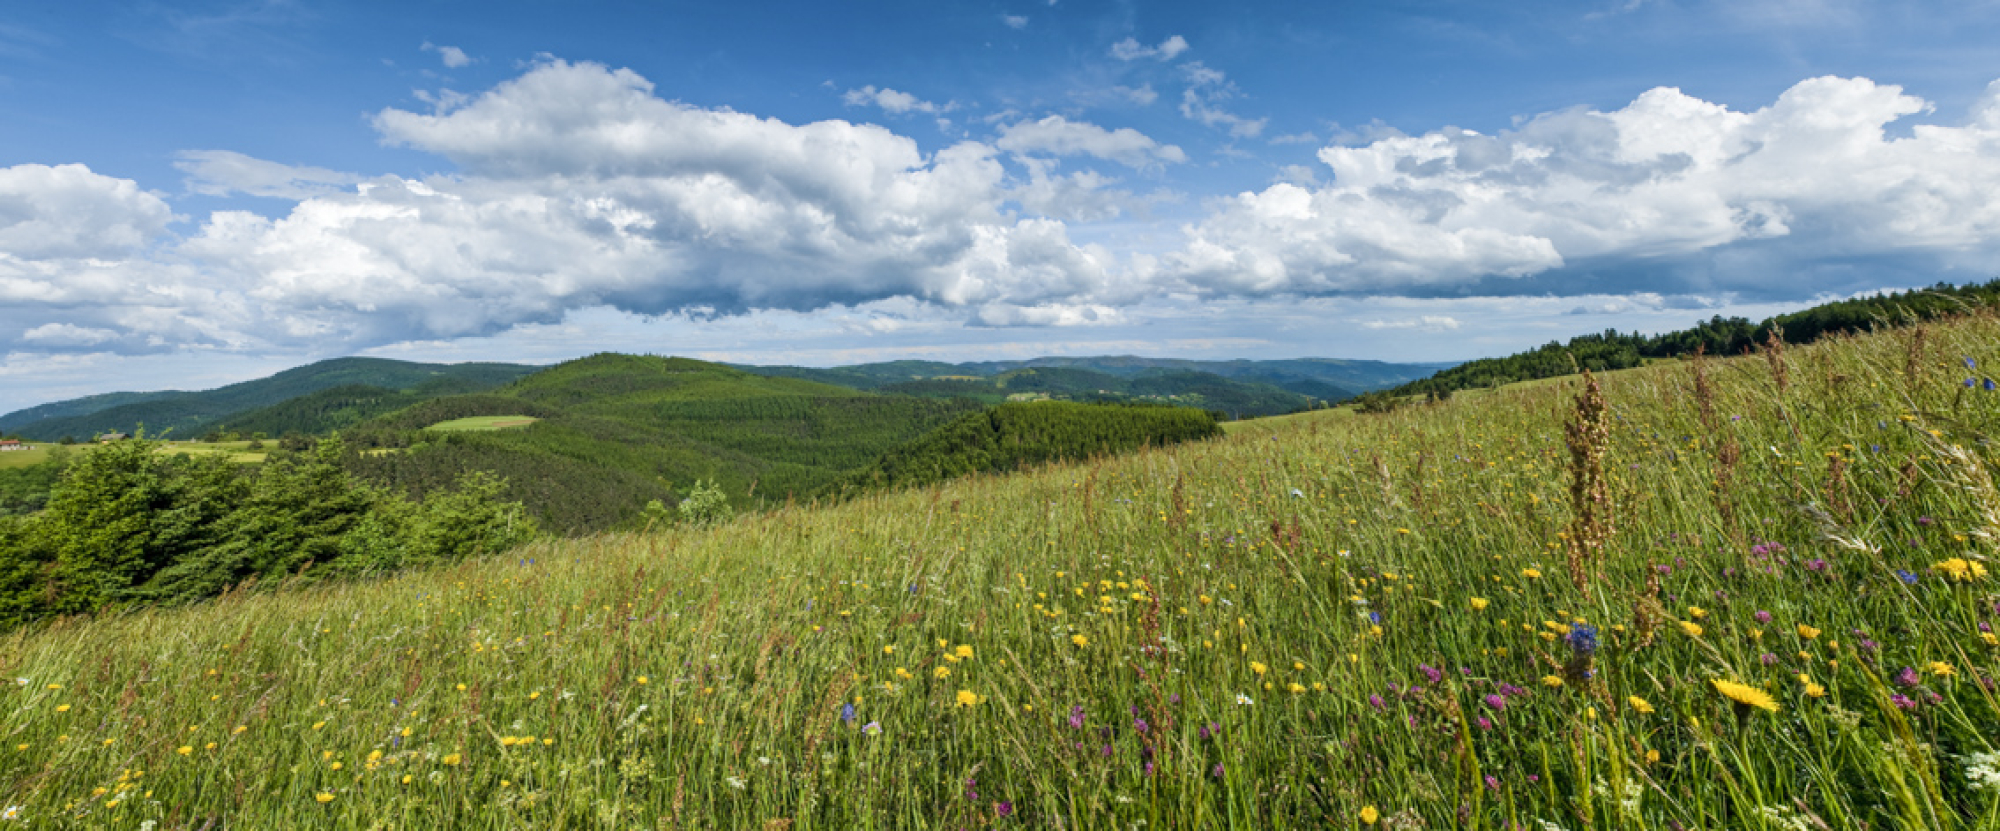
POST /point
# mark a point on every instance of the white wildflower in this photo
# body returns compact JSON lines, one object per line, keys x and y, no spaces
{"x":736,"y":782}
{"x":1984,"y":771}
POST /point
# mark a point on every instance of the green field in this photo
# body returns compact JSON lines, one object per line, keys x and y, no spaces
{"x":37,"y":453}
{"x":484,"y":423}
{"x":1333,"y":620}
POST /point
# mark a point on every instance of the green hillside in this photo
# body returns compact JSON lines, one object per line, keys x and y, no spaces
{"x":1716,"y":336}
{"x":1015,"y":436}
{"x":193,"y":413}
{"x":1753,"y":592}
{"x":615,"y":432}
{"x":1325,"y":379}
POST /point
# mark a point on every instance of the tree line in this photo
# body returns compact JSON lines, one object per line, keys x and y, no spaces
{"x":126,"y":524}
{"x":1718,"y":335}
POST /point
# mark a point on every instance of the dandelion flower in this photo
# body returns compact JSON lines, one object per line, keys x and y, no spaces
{"x":1941,"y":669}
{"x":943,"y":672}
{"x":1807,"y":632}
{"x":185,"y":750}
{"x":1079,"y":640}
{"x":1746,"y":695}
{"x":1258,"y":668}
{"x":967,"y":698}
{"x":1531,"y":573}
{"x":451,"y":759}
{"x":1480,"y":603}
{"x":1814,"y":690}
{"x":1692,"y":629}
{"x":324,"y":797}
{"x":1644,"y":707}
{"x":1369,"y":815}
{"x":1552,"y":681}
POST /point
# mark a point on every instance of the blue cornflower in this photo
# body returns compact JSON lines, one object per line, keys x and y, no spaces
{"x":1971,"y":382}
{"x":847,"y":712}
{"x":1906,"y":577}
{"x":1375,"y":618}
{"x":1582,"y":639}
{"x":1971,"y":364}
{"x":1988,"y":384}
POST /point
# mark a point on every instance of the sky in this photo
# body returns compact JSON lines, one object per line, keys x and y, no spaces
{"x":198,"y":193}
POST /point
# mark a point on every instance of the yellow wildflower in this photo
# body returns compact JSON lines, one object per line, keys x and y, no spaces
{"x":1369,"y":815}
{"x":967,"y":698}
{"x":1807,"y":632}
{"x":1692,"y":629}
{"x":1746,"y":695}
{"x":1079,"y":640}
{"x":1479,"y":603}
{"x":1640,"y":704}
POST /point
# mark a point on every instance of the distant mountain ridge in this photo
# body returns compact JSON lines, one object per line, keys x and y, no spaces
{"x":1326,"y":379}
{"x":187,"y":414}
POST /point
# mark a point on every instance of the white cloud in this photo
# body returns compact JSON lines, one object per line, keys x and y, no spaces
{"x":64,"y":334}
{"x":1060,"y":136}
{"x":581,"y":187}
{"x":577,"y":187}
{"x":1144,"y":95}
{"x":1426,"y":323}
{"x":891,"y":101}
{"x":1202,"y":101}
{"x":223,"y":172}
{"x":452,"y":56}
{"x":68,"y":212}
{"x":1663,"y":179}
{"x":1014,"y":21}
{"x":1130,"y":49}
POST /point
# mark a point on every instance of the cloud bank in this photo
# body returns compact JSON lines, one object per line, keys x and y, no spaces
{"x":577,"y":186}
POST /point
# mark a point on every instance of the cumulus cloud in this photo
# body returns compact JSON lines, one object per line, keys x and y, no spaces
{"x":577,"y":186}
{"x":1668,"y":185}
{"x":1202,"y":101}
{"x":452,"y":56}
{"x":1426,"y":323}
{"x":1062,"y":137}
{"x":1130,"y":49}
{"x":67,"y":212}
{"x":65,"y":334}
{"x":891,"y":101}
{"x":1014,"y":21}
{"x":223,"y":172}
{"x":1143,"y":95}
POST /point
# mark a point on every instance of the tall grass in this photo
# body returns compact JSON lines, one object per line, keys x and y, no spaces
{"x":1325,"y":621}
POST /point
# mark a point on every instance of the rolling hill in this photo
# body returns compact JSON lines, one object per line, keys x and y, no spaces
{"x":1325,"y":379}
{"x":618,"y":431}
{"x":189,"y":414}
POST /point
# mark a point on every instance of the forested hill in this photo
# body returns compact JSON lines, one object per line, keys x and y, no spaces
{"x":1016,"y":435}
{"x":615,"y":432}
{"x":1716,"y":336}
{"x":189,"y":414}
{"x":1325,"y":379}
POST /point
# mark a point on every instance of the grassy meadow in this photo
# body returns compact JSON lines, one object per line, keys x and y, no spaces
{"x":1748,"y":593}
{"x":484,"y":423}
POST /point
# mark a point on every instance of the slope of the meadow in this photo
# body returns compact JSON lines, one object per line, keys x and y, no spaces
{"x":1330,"y":621}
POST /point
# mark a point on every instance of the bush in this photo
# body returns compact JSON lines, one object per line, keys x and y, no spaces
{"x":704,"y":505}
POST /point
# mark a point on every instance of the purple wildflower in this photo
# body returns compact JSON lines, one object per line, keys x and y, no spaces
{"x":1762,"y":616}
{"x":1908,"y":677}
{"x":1497,"y":703}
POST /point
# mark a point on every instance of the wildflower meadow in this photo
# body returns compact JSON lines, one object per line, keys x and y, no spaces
{"x":1746,"y":592}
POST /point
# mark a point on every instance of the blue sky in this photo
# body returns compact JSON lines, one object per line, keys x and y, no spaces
{"x":197,"y":193}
